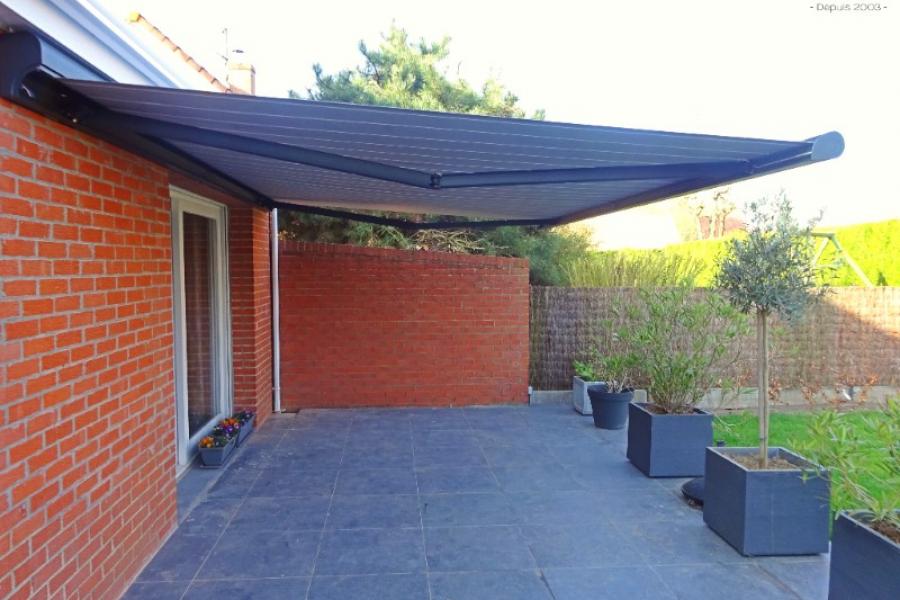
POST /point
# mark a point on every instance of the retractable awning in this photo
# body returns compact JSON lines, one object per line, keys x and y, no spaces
{"x":324,"y":157}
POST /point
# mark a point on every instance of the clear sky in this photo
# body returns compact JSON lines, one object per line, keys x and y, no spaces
{"x":761,"y":68}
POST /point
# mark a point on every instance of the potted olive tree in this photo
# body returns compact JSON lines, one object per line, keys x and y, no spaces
{"x":865,"y":494}
{"x":763,"y":500}
{"x":685,"y":342}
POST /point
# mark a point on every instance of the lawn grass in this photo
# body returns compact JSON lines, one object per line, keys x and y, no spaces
{"x":785,"y":429}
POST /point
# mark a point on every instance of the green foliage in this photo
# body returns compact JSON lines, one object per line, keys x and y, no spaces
{"x":585,"y":370}
{"x":547,"y":250}
{"x":682,"y":343}
{"x":616,"y":369}
{"x":795,"y":430}
{"x":770,"y":269}
{"x":633,"y":269}
{"x":411,"y":74}
{"x":858,"y":454}
{"x":874,"y":247}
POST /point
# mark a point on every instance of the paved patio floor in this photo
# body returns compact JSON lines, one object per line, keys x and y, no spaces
{"x":507,"y":503}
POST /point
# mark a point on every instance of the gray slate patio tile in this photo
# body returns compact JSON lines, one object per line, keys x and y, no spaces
{"x":456,"y":479}
{"x":604,"y":474}
{"x":283,"y":513}
{"x":434,"y":456}
{"x":645,"y":504}
{"x":708,"y":582}
{"x":535,"y":478}
{"x":235,"y":482}
{"x":389,"y":511}
{"x":556,"y":508}
{"x":808,"y":578}
{"x":306,"y":457}
{"x":596,"y":544}
{"x":371,"y":551}
{"x":497,"y":422}
{"x":179,"y":558}
{"x":457,"y":438}
{"x":242,"y":554}
{"x":282,"y":482}
{"x":680,"y":542}
{"x":312,"y":438}
{"x":612,"y":583}
{"x":156,"y":590}
{"x":249,"y":589}
{"x":376,"y":481}
{"x":456,"y":510}
{"x":505,"y":456}
{"x":494,"y":548}
{"x":439,"y":419}
{"x":369,"y":587}
{"x":502,"y":585}
{"x":209,"y":517}
{"x":256,"y":456}
{"x":379,"y":456}
{"x":511,"y":438}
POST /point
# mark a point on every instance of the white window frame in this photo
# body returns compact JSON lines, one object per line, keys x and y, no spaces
{"x":188,"y":202}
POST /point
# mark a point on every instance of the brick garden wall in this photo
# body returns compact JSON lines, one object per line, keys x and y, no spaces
{"x":87,"y":443}
{"x":383,"y":327}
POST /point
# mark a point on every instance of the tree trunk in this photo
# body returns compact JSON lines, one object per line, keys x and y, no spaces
{"x":762,"y":342}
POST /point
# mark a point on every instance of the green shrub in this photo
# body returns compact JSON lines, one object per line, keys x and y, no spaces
{"x":629,"y":269}
{"x":682,"y":344}
{"x":863,"y":456}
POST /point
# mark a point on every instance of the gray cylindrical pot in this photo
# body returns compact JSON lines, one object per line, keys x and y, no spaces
{"x":610,"y":409}
{"x":864,"y":563}
{"x":663,"y":445}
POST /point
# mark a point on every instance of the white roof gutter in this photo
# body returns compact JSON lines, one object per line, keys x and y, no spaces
{"x":95,"y":35}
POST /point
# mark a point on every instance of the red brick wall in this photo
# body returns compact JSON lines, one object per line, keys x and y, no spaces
{"x":87,"y":445}
{"x":251,"y":312}
{"x":379,"y":327}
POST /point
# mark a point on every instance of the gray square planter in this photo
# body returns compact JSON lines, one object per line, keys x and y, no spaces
{"x":767,"y":513}
{"x":864,"y":563}
{"x":668,"y":445}
{"x":580,"y":399}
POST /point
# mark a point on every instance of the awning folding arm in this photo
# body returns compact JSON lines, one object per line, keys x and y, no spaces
{"x":33,"y":71}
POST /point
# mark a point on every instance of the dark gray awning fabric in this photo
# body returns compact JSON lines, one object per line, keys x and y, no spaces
{"x":373,"y":158}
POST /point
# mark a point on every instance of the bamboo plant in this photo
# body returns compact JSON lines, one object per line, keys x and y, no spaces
{"x":770,"y":271}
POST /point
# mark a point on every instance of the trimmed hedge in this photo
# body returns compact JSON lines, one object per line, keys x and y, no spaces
{"x":874,"y":246}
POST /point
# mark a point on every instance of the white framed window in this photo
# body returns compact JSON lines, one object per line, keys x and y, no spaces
{"x":203,"y":374}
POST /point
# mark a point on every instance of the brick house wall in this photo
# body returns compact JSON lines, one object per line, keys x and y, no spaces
{"x":87,"y":474}
{"x":87,"y":395}
{"x":384,"y":327}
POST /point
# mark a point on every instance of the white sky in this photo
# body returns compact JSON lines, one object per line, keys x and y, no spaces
{"x":757,"y":68}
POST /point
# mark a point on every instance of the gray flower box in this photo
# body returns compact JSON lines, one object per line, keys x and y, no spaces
{"x":771,"y":512}
{"x":864,"y":563}
{"x":580,"y":399}
{"x":216,"y":457}
{"x":245,"y":430}
{"x":668,"y":445}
